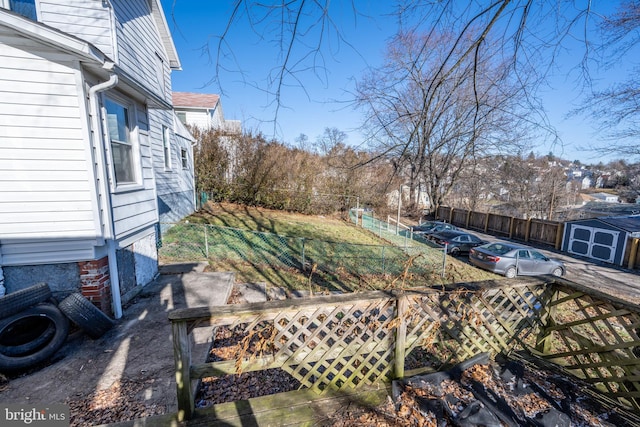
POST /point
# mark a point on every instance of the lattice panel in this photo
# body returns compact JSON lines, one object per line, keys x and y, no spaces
{"x":456,"y":325}
{"x":597,"y":340}
{"x":337,"y":346}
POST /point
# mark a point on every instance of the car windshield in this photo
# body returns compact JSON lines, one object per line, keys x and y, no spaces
{"x":498,"y":248}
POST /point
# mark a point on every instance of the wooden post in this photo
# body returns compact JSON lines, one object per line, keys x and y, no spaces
{"x":466,"y":225}
{"x":559,"y":232}
{"x":451,"y":215}
{"x":486,"y":222}
{"x":512,"y":222}
{"x":527,"y":230}
{"x":634,"y":253}
{"x":401,"y":335}
{"x":543,"y":342}
{"x":182,"y":356}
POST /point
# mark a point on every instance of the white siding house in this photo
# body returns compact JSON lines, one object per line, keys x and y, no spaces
{"x":91,"y":153}
{"x":203,"y":111}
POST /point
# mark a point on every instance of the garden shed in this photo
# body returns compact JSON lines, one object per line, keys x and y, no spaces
{"x":609,"y":239}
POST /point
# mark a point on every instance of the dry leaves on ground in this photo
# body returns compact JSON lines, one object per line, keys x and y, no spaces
{"x":120,"y":402}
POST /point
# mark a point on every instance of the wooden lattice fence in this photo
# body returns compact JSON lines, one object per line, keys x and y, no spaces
{"x":345,"y":342}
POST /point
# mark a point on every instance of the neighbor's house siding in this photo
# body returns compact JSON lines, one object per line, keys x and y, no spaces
{"x":46,"y":196}
{"x":204,"y":119}
{"x":90,"y":20}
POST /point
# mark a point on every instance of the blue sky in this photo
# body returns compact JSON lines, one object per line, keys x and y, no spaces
{"x":321,"y":98}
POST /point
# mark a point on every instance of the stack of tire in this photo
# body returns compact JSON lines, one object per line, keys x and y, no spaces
{"x":33,"y":327}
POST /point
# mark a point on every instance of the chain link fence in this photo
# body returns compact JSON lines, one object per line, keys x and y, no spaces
{"x":188,"y":242}
{"x":402,"y":236}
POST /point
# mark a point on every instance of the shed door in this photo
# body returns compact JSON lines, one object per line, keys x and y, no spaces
{"x":592,"y":242}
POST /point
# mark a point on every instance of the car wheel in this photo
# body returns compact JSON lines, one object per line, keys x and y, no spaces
{"x":86,"y":315}
{"x":557,"y":272}
{"x":17,"y":301}
{"x":455,"y":251}
{"x":511,"y":272}
{"x":39,"y":314}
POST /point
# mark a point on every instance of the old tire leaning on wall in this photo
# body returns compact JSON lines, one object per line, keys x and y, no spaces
{"x":38,"y":317}
{"x":17,"y":301}
{"x":86,"y":315}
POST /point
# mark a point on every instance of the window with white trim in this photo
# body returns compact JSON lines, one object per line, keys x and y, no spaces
{"x":119,"y":132}
{"x":184,"y":159}
{"x":166,"y":147}
{"x":26,"y":8}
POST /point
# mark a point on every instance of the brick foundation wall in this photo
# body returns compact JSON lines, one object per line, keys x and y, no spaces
{"x":95,"y":283}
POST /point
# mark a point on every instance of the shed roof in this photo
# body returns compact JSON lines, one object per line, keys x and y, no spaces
{"x":629,"y":223}
{"x":195,"y":100}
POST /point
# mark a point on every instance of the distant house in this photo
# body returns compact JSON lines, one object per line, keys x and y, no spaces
{"x":92,"y":156}
{"x":606,"y":197}
{"x":203,"y":111}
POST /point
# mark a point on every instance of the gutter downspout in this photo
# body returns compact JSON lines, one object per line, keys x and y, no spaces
{"x":109,"y":232}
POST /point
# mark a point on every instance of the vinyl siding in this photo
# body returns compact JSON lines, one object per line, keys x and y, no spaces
{"x":45,"y":185}
{"x":89,"y":20}
{"x":136,"y":210}
{"x":138,"y":42}
{"x":175,"y":185}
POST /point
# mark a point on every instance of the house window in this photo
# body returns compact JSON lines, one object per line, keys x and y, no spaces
{"x":183,"y":158}
{"x":26,"y":8}
{"x":166,"y":147}
{"x":182,"y":116}
{"x":119,"y":132}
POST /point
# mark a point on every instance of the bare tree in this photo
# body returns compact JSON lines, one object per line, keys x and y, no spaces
{"x":432,"y":119}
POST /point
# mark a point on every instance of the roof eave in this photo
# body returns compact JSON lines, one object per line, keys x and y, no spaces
{"x":52,"y":37}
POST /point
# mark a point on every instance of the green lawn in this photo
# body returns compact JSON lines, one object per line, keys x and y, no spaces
{"x":305,"y":252}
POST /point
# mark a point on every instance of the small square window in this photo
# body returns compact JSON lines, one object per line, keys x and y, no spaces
{"x":183,"y":158}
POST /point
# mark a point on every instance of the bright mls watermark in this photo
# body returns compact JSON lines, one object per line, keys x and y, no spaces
{"x":56,"y":415}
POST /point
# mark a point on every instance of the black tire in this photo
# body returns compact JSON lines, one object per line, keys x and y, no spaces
{"x":86,"y":315}
{"x":17,"y":301}
{"x":455,"y":252}
{"x":28,"y":339}
{"x":38,"y":314}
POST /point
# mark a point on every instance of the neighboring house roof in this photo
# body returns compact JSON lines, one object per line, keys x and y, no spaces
{"x":195,"y":100}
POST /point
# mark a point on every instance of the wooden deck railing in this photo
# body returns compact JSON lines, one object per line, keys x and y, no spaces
{"x":355,"y":340}
{"x":344,"y":342}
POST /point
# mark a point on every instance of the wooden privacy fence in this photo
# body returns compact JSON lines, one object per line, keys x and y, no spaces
{"x":527,"y":230}
{"x":345,"y":342}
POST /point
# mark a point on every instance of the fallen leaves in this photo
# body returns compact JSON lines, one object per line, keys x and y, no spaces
{"x":123,"y":401}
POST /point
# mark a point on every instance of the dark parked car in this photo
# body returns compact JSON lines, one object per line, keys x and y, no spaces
{"x":456,"y":241}
{"x":511,"y":260}
{"x":431,"y":227}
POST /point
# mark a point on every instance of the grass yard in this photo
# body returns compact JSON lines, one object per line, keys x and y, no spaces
{"x":305,"y":252}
